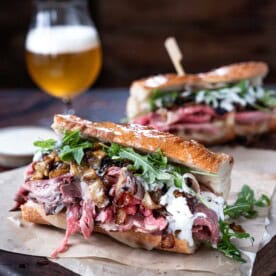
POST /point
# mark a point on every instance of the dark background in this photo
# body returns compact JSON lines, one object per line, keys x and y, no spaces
{"x":210,"y":33}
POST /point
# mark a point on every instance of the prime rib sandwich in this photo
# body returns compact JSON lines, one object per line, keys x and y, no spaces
{"x":212,"y":107}
{"x":142,"y":187}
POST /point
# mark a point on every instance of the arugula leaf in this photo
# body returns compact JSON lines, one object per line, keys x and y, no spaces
{"x":226,"y":246}
{"x":245,"y":204}
{"x":162,"y":99}
{"x":71,"y":138}
{"x":158,"y":159}
{"x":150,"y":165}
{"x":269,"y":98}
{"x":46,"y":145}
{"x":243,"y":85}
{"x":71,"y":148}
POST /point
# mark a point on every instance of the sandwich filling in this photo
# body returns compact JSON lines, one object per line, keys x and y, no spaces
{"x":119,"y":189}
{"x":205,"y":110}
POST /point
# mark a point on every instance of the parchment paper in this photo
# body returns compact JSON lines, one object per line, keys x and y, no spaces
{"x":103,"y":255}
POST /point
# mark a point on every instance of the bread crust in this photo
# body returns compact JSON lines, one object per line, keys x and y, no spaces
{"x":230,"y":73}
{"x":34,"y":213}
{"x":146,"y":139}
{"x":235,"y":72}
{"x":140,"y":91}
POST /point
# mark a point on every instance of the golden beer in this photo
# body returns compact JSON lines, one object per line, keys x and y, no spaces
{"x":67,"y":63}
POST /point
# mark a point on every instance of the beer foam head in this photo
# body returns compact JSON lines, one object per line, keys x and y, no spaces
{"x":61,"y":39}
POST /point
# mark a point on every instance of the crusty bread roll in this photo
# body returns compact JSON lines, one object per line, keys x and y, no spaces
{"x":34,"y":213}
{"x":141,"y":90}
{"x":235,"y":72}
{"x":146,"y":139}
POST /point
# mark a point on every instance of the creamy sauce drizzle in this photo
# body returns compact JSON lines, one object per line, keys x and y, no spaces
{"x":181,"y":218}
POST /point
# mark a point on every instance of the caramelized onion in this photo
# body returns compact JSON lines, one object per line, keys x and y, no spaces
{"x":61,"y":169}
{"x":127,"y":183}
{"x":191,"y":182}
{"x":97,"y":193}
{"x":89,"y":174}
{"x":149,"y":203}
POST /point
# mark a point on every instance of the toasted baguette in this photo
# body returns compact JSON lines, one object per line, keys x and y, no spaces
{"x":146,"y":139}
{"x":141,"y":90}
{"x":34,"y":213}
{"x":236,"y":72}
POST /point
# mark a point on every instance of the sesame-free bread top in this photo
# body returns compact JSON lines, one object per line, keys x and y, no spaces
{"x":236,"y":72}
{"x":146,"y":139}
{"x":141,"y":90}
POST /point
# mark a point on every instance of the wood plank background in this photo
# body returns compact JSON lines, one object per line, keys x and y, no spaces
{"x":210,"y":32}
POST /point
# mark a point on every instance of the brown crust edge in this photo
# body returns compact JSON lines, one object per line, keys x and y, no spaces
{"x":35,"y":214}
{"x":147,"y":139}
{"x":236,"y":72}
{"x":229,"y":73}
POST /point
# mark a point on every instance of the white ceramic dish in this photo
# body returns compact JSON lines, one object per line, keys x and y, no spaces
{"x":16,"y":144}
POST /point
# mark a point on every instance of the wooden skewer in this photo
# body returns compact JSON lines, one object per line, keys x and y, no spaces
{"x":175,"y":55}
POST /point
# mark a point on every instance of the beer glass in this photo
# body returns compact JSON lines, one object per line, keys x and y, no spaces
{"x":63,"y":50}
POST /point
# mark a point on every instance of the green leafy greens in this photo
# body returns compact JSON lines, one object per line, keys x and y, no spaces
{"x":162,"y":99}
{"x":240,"y":93}
{"x":226,"y":246}
{"x":71,"y":147}
{"x":245,"y":204}
{"x":269,"y":98}
{"x":46,"y":145}
{"x":152,"y":167}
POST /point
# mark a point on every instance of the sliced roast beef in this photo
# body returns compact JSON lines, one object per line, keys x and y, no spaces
{"x":106,"y":215}
{"x":53,"y":194}
{"x":21,"y":197}
{"x":111,"y":175}
{"x":72,"y":227}
{"x":86,"y":222}
{"x":193,"y":118}
{"x":206,"y":228}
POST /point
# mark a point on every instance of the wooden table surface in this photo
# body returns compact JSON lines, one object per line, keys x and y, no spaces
{"x":28,"y":107}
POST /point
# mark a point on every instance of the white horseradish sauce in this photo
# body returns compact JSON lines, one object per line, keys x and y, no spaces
{"x":181,"y":217}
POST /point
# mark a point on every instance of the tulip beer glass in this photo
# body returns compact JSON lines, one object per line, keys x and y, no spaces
{"x":63,"y":51}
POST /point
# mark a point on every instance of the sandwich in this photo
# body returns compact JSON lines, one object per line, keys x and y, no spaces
{"x":140,"y":186}
{"x":212,"y":107}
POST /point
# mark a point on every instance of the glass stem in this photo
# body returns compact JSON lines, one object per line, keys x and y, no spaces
{"x":68,"y":106}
